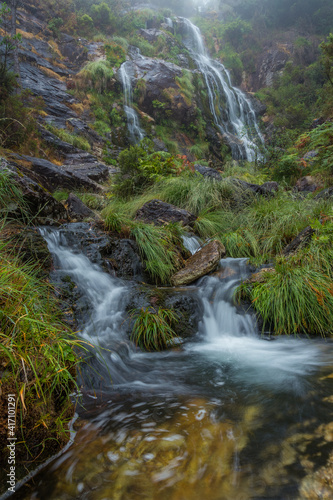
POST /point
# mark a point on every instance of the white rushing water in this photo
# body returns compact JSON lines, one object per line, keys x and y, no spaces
{"x":135,"y":131}
{"x":232,"y":111}
{"x":227,"y":339}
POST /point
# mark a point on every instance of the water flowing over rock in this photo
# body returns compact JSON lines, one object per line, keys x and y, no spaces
{"x":201,"y":263}
{"x":134,"y":129}
{"x":233,"y":112}
{"x":158,"y":212}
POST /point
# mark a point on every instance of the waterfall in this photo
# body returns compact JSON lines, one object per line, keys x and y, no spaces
{"x":232,"y":111}
{"x":169,"y":22}
{"x":228,"y":334}
{"x":134,"y":129}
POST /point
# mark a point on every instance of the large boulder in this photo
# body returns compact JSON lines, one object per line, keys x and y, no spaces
{"x":201,"y":263}
{"x":123,"y":258}
{"x":158,"y":213}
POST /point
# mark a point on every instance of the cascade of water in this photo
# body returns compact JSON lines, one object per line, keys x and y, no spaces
{"x":226,"y":333}
{"x":169,"y":22}
{"x":134,"y":129}
{"x":232,"y":111}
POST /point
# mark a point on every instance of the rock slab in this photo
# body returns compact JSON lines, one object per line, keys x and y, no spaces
{"x":158,"y":213}
{"x":202,"y":262}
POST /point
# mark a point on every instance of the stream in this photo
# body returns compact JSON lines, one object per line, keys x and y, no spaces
{"x":226,"y":415}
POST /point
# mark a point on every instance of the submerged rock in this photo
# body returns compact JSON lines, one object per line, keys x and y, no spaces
{"x":158,"y":212}
{"x":202,"y":262}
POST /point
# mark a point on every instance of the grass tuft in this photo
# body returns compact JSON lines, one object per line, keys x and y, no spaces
{"x":152,"y":328}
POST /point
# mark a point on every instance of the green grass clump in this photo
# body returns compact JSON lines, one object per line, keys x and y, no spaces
{"x":36,"y":350}
{"x":152,"y":329}
{"x":95,"y":75}
{"x":76,"y":140}
{"x":158,"y":247}
{"x":293,"y":300}
{"x":196,"y":194}
{"x":11,"y":198}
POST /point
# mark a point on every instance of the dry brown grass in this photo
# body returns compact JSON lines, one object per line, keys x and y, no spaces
{"x":51,"y":74}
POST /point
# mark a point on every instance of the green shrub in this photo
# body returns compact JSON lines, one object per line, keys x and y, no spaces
{"x":141,"y":167}
{"x":152,"y":328}
{"x":115,"y":54}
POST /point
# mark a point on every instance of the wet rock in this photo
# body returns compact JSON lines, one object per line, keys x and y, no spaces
{"x":159,"y":145}
{"x":207,"y":172}
{"x":161,"y":86}
{"x":39,"y":201}
{"x":311,"y":154}
{"x":123,"y":257}
{"x":77,"y":209}
{"x":189,"y":308}
{"x":201,"y":263}
{"x":86,"y":237}
{"x":306,"y":184}
{"x":53,"y":177}
{"x":28,"y":245}
{"x":152,"y":34}
{"x":86,"y":166}
{"x":158,"y":213}
{"x":301,"y":240}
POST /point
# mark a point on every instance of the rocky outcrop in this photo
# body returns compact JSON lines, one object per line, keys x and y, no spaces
{"x":201,"y":263}
{"x":77,"y":209}
{"x":162,"y":94}
{"x":266,"y":189}
{"x":68,"y":176}
{"x":158,"y":213}
{"x":207,"y":172}
{"x":39,"y":201}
